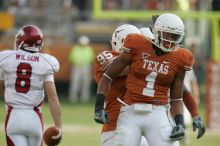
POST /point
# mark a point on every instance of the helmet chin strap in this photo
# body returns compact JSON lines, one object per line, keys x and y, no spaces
{"x":157,"y":48}
{"x":32,"y":49}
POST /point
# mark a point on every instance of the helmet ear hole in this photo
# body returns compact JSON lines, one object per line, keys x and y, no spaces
{"x":122,"y":40}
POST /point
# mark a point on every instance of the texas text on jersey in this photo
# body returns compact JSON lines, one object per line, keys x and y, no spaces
{"x":150,"y":76}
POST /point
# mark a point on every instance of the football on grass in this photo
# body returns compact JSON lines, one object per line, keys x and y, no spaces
{"x":51,"y":136}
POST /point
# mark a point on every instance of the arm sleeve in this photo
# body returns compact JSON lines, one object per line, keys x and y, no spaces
{"x":188,"y":60}
{"x":131,"y":42}
{"x":55,"y":66}
{"x":127,"y":44}
{"x":50,"y":77}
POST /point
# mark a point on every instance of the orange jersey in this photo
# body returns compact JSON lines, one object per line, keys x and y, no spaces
{"x":150,"y":76}
{"x":103,"y":60}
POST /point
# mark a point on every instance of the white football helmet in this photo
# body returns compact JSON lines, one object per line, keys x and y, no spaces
{"x":168,"y":31}
{"x":119,"y":35}
{"x":147,"y":33}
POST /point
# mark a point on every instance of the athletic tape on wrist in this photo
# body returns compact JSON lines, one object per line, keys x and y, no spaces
{"x":179,"y":119}
{"x":100,"y":99}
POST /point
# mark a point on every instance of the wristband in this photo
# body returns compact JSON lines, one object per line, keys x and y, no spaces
{"x":100,"y":99}
{"x":197,"y":118}
{"x":179,"y":119}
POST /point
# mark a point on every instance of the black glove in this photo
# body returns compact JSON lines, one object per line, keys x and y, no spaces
{"x":197,"y":123}
{"x":178,"y":131}
{"x":100,"y":116}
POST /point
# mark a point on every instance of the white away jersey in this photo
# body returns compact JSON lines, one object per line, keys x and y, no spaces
{"x":24,"y":74}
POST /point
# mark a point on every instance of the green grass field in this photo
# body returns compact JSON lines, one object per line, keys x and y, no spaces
{"x":79,"y":129}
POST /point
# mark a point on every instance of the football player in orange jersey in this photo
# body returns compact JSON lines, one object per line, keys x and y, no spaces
{"x":154,"y":68}
{"x":188,"y":99}
{"x":118,"y":89}
{"x":104,"y":59}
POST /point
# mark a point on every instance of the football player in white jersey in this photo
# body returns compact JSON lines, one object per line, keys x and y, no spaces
{"x":25,"y":73}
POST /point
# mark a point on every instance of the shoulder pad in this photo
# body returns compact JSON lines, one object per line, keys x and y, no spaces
{"x":133,"y":41}
{"x":187,"y":58}
{"x":105,"y":58}
{"x":5,"y":54}
{"x":54,"y":65}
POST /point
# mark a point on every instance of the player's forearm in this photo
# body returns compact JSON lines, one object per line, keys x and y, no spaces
{"x":55,"y":111}
{"x":176,"y":94}
{"x":118,"y":65}
{"x":190,"y":103}
{"x":125,"y":71}
{"x":195,"y":91}
{"x":176,"y":107}
{"x":104,"y":85}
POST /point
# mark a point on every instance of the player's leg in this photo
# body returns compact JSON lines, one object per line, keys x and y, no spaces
{"x":74,"y":84}
{"x":158,"y":133}
{"x":36,"y":129}
{"x":107,"y":138}
{"x":143,"y":141}
{"x":86,"y":83}
{"x":35,"y":141}
{"x":127,"y":132}
{"x":17,"y":140}
{"x":15,"y":129}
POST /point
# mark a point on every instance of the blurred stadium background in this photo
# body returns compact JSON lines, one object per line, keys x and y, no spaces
{"x":63,"y":21}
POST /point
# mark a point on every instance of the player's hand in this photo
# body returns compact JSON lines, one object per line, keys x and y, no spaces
{"x":178,"y":133}
{"x":101,"y":116}
{"x":197,"y":124}
{"x":59,"y":134}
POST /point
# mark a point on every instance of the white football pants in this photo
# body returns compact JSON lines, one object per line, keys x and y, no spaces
{"x":152,"y":122}
{"x":107,"y":139}
{"x":24,"y":127}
